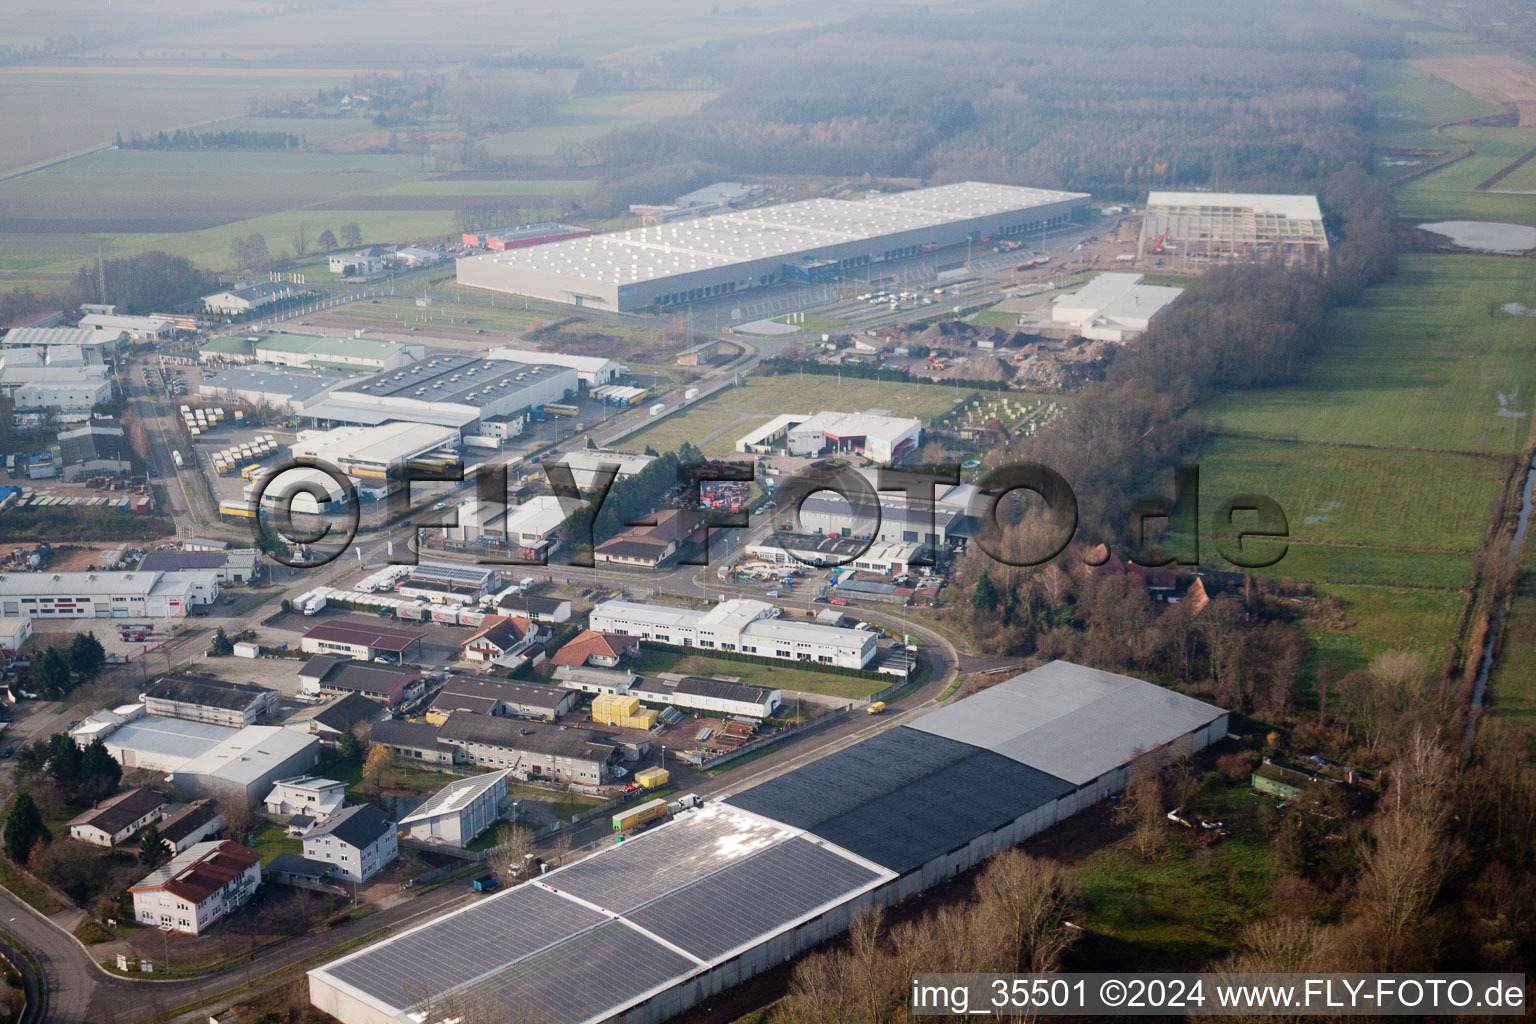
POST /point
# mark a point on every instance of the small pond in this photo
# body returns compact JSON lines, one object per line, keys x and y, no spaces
{"x":1487,"y":236}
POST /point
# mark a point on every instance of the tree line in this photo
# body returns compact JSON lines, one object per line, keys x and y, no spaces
{"x":186,"y":139}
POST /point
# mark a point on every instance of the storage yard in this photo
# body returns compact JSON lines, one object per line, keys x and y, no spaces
{"x":679,"y":912}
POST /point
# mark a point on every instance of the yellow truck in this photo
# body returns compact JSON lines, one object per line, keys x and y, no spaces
{"x":875,"y":708}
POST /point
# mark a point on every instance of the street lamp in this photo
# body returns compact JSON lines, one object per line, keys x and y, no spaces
{"x":165,"y":933}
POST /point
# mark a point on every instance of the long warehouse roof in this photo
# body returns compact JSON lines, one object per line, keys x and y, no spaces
{"x":1070,"y":720}
{"x":589,"y":940}
{"x":767,"y":232}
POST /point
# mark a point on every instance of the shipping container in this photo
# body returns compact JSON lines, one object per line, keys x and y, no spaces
{"x":650,"y":778}
{"x":639,"y":815}
{"x":447,"y":616}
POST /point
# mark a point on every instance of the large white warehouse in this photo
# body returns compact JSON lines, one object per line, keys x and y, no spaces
{"x":707,"y":257}
{"x":643,"y":930}
{"x":448,"y":390}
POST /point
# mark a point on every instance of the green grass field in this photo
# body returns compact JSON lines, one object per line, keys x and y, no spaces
{"x":1421,"y":620}
{"x":1512,"y":688}
{"x":692,"y":426}
{"x":766,"y":397}
{"x":1451,"y":192}
{"x":1355,"y":496}
{"x":1420,"y":362}
{"x":1409,"y":101}
{"x":780,"y":677}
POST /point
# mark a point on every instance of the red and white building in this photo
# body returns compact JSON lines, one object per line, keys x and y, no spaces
{"x":197,"y":887}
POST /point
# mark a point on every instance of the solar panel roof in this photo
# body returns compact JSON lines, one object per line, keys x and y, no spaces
{"x":616,"y":965}
{"x":454,"y":950}
{"x":904,"y":797}
{"x":662,"y":860}
{"x":738,"y":904}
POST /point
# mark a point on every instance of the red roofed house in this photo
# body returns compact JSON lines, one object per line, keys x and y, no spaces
{"x":197,"y":887}
{"x":501,"y":639}
{"x":603,"y":650}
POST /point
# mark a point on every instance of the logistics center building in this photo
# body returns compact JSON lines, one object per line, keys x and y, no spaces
{"x":647,"y":928}
{"x":695,"y":260}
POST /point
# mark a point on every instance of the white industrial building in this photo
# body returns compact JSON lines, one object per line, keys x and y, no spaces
{"x":448,"y":390}
{"x":286,"y":390}
{"x":742,"y":625}
{"x":363,"y":263}
{"x":373,"y":454}
{"x":136,"y":739}
{"x":1187,"y":227}
{"x":98,"y":343}
{"x":246,"y":765}
{"x":106,"y":595}
{"x":709,"y":257}
{"x":235,"y":301}
{"x":594,"y":371}
{"x":312,"y":351}
{"x":458,"y":813}
{"x":59,"y":378}
{"x":782,"y":547}
{"x":15,"y":630}
{"x":641,"y":931}
{"x":138,"y":328}
{"x":584,"y":464}
{"x":1112,"y":307}
{"x":874,"y":434}
{"x":718,"y":696}
{"x":529,"y":527}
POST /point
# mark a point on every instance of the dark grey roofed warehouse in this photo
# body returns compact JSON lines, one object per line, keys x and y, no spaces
{"x":739,"y":886}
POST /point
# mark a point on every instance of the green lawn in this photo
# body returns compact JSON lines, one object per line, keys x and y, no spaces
{"x":795,"y":392}
{"x":1420,"y":362}
{"x":1409,"y":101}
{"x":272,"y":840}
{"x":400,"y":780}
{"x":784,"y":677}
{"x":1384,"y":619}
{"x":693,"y":426}
{"x":1357,"y":496}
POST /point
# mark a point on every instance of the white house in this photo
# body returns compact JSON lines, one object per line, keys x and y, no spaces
{"x":363,"y":263}
{"x":197,"y":887}
{"x":234,"y":301}
{"x":459,"y":812}
{"x":318,"y":798}
{"x":118,"y":818}
{"x":139,"y":328}
{"x":358,"y":842}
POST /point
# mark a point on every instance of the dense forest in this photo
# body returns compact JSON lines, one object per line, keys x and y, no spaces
{"x":1110,"y":96}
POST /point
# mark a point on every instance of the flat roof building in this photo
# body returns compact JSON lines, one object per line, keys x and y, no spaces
{"x":702,"y":258}
{"x":874,"y":434}
{"x":106,"y":595}
{"x":205,"y":699}
{"x":138,"y":328}
{"x":449,"y":390}
{"x":1196,"y":226}
{"x":85,"y":338}
{"x":1112,"y":307}
{"x":286,"y":390}
{"x":373,"y":453}
{"x":714,"y":695}
{"x":313,"y":351}
{"x":741,"y":625}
